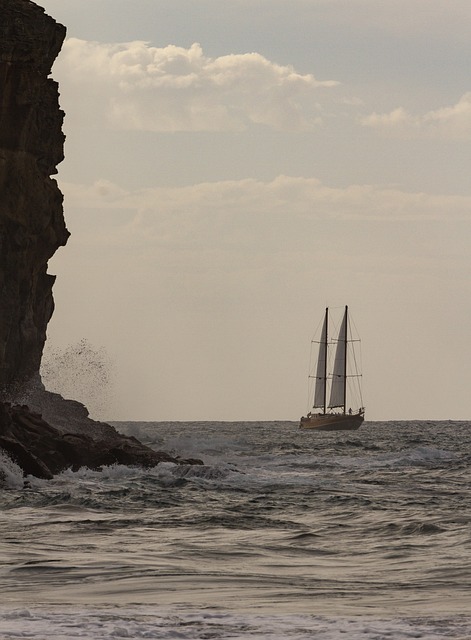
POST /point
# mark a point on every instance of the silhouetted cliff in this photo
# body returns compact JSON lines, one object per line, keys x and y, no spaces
{"x":39,"y":430}
{"x":32,"y":224}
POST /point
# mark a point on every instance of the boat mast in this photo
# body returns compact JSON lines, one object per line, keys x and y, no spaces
{"x":325,"y":359}
{"x":345,"y":338}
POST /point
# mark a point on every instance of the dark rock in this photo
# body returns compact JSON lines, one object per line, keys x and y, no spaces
{"x":32,"y":224}
{"x":42,"y":450}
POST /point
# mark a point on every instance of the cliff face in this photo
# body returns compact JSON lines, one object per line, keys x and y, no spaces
{"x":50,"y":434}
{"x":32,"y":224}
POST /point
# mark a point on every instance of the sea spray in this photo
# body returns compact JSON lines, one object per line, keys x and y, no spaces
{"x":11,"y":476}
{"x":80,"y":372}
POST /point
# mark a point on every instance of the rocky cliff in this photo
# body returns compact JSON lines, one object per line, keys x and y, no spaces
{"x":32,"y":224}
{"x":48,"y":434}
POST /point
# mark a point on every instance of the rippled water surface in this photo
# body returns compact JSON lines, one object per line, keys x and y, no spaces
{"x":281,"y":533}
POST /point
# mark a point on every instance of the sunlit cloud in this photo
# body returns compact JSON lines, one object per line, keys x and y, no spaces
{"x":250,"y":212}
{"x":135,"y":86}
{"x":448,"y":122}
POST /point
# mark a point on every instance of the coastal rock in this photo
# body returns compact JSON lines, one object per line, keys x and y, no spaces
{"x":43,"y":433}
{"x":42,"y":450}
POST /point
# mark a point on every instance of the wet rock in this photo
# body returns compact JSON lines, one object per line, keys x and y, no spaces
{"x":43,"y":450}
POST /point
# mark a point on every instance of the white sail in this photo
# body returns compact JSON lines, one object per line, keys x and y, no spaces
{"x":319,"y":393}
{"x":337,"y":391}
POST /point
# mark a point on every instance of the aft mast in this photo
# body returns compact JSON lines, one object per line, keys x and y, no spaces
{"x":325,"y":357}
{"x":345,"y":339}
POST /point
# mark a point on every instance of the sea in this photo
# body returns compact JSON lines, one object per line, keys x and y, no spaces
{"x":281,"y":534}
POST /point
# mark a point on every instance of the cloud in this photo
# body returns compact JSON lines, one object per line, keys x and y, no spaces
{"x":250,"y":216}
{"x":448,"y":122}
{"x":233,"y":235}
{"x":215,"y":245}
{"x":135,"y":86}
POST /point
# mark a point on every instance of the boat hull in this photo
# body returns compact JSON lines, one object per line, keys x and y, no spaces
{"x":332,"y":422}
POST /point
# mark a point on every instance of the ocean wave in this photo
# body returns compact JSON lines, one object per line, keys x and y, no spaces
{"x":418,"y":456}
{"x":364,"y":524}
{"x":401,"y":529}
{"x":11,"y":475}
{"x":162,"y":623}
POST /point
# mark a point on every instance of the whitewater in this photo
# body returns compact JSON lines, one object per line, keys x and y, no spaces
{"x":281,"y":534}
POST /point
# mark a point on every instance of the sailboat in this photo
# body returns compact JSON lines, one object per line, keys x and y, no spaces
{"x":334,"y":415}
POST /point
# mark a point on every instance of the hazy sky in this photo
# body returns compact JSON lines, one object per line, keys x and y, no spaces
{"x":232,"y":167}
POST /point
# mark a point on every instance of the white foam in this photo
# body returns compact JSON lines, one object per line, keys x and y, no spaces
{"x":157,"y":622}
{"x":11,"y":476}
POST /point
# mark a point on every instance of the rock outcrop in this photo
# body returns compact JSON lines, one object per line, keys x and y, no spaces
{"x":50,"y":434}
{"x":42,"y":450}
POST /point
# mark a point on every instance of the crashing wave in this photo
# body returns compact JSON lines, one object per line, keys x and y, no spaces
{"x":11,"y":476}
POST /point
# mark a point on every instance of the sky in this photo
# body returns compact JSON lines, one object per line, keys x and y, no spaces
{"x":232,"y":168}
